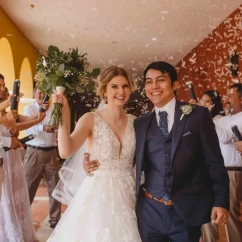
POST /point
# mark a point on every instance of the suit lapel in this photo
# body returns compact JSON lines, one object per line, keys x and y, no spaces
{"x":178,"y":127}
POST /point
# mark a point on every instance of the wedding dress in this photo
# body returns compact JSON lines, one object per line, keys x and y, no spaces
{"x":103,"y":208}
{"x":15,"y":214}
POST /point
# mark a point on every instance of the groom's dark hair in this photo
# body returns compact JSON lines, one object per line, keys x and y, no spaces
{"x":163,"y":67}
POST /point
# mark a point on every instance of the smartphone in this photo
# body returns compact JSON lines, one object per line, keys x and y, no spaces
{"x":14,"y":102}
{"x":46,"y":99}
{"x":191,"y":90}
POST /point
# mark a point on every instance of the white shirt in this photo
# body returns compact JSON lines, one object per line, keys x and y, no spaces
{"x":227,"y":138}
{"x":42,"y":139}
{"x":170,"y":109}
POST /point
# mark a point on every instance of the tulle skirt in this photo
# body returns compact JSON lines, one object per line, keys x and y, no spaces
{"x":102,"y":210}
{"x":15,"y":214}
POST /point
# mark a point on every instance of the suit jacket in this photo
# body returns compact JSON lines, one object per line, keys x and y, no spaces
{"x":200,"y":179}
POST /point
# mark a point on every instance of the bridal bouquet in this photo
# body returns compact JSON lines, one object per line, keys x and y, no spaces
{"x":63,"y":71}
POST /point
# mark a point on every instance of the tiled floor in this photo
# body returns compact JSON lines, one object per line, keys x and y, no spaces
{"x":40,"y":208}
{"x":40,"y":212}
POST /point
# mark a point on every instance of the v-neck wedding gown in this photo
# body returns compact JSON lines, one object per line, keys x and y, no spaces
{"x":103,"y":208}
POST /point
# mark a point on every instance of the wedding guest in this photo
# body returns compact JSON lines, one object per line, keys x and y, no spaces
{"x":2,"y":87}
{"x":228,"y":110}
{"x":41,"y":158}
{"x":8,"y":121}
{"x":15,"y":213}
{"x":232,"y":160}
{"x":211,"y":99}
{"x":4,"y":142}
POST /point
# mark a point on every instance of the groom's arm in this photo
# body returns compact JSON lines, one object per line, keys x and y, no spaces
{"x":216,"y":169}
{"x":89,"y":166}
{"x":215,"y":162}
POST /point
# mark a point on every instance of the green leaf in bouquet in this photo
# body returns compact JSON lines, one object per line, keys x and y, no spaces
{"x":53,"y":77}
{"x":95,"y":72}
{"x":80,"y":90}
{"x":62,"y":68}
{"x":44,"y":86}
{"x":69,"y":86}
{"x":53,"y":50}
{"x":59,"y":73}
{"x":90,"y":87}
{"x":61,"y":81}
{"x":53,"y":84}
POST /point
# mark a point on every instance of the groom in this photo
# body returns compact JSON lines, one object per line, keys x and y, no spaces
{"x":181,"y":181}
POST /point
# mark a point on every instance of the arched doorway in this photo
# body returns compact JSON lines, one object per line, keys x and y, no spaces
{"x":6,"y":62}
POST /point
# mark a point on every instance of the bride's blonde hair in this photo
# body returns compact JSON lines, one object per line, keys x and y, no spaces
{"x":108,"y":74}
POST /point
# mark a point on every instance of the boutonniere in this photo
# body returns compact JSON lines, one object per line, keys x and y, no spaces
{"x":186,"y":110}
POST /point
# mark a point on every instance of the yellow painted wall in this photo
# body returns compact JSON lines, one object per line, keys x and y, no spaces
{"x":21,"y":49}
{"x":17,"y":57}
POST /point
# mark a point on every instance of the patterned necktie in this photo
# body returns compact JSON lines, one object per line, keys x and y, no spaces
{"x":163,"y":123}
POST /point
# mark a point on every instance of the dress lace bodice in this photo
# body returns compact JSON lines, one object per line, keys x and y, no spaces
{"x":107,"y":149}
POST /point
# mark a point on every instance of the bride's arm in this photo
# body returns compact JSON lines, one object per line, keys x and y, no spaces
{"x":68,"y":143}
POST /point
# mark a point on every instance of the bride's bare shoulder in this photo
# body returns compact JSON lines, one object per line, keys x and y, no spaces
{"x":86,"y":119}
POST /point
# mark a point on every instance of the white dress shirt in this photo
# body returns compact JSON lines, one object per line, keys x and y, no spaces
{"x":170,"y":109}
{"x":42,"y":139}
{"x":227,"y":138}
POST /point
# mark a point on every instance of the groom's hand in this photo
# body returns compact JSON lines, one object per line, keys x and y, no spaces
{"x":219,"y":215}
{"x":88,"y":165}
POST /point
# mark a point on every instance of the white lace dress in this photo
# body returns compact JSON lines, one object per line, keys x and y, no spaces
{"x":103,"y":209}
{"x":15,"y":215}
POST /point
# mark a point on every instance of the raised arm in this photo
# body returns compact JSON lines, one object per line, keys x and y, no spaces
{"x":68,"y":143}
{"x":6,"y":103}
{"x":31,"y":116}
{"x":30,"y":121}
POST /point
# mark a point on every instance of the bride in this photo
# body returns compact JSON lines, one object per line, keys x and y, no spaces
{"x":103,"y":207}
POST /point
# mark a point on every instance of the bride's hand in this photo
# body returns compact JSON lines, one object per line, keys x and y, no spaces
{"x":59,"y":98}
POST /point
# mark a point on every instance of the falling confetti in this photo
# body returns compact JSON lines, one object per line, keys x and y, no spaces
{"x":72,"y":35}
{"x":47,"y":31}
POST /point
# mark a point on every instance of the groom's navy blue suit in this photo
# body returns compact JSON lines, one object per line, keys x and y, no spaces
{"x":187,"y":166}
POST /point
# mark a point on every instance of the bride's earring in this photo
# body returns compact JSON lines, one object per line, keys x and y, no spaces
{"x":106,"y":100}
